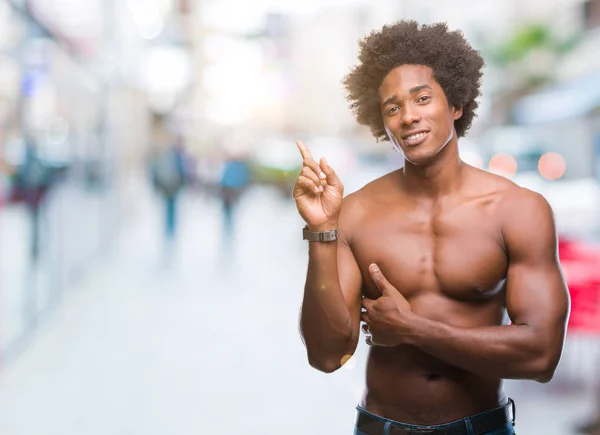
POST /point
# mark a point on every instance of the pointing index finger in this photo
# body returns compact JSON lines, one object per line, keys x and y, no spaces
{"x":304,"y":150}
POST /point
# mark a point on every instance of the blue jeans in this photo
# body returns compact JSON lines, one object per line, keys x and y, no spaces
{"x":508,"y":429}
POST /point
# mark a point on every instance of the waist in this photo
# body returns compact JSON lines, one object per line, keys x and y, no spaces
{"x":419,"y":389}
{"x":495,"y":419}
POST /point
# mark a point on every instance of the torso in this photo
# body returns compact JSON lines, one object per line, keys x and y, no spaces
{"x":447,"y":258}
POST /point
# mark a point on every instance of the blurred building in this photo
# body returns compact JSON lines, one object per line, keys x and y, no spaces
{"x":79,"y":83}
{"x":84,"y":80}
{"x":564,"y":113}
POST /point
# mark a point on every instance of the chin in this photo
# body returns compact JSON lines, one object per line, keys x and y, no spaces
{"x":419,"y":157}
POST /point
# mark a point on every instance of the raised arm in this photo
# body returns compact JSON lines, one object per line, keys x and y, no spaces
{"x":330,"y":317}
{"x":330,"y":313}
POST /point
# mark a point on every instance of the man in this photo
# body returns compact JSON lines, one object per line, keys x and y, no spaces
{"x":435,"y":253}
{"x":234,"y":181}
{"x":168,"y":178}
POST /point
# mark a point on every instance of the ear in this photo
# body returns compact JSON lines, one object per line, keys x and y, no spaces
{"x":457,"y":113}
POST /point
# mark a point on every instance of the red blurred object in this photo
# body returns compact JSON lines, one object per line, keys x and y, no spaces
{"x":580,"y":262}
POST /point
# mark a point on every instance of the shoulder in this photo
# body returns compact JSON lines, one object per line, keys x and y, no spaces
{"x":519,"y":202}
{"x":512,"y":199}
{"x":524,"y":217}
{"x":528,"y":224}
{"x":356,"y":205}
{"x":372,"y":192}
{"x":485,"y":182}
{"x":378,"y":188}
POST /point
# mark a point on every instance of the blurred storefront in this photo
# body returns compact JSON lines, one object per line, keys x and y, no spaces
{"x":73,"y":107}
{"x":55,"y":199}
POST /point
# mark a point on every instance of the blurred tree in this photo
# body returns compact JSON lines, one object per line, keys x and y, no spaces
{"x":526,"y":39}
{"x":523,"y":62}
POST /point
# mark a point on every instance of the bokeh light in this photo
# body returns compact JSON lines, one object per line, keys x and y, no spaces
{"x":348,"y":362}
{"x":552,"y":166}
{"x":503,"y":164}
{"x":147,"y":164}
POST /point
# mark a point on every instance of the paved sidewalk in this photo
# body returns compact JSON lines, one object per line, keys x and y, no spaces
{"x":206,"y":343}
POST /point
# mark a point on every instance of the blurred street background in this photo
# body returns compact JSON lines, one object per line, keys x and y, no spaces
{"x":151,"y":261}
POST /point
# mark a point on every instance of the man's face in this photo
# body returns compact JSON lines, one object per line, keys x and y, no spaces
{"x":415,"y":113}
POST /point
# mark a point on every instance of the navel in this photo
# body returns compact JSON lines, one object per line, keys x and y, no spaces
{"x":434,"y":377}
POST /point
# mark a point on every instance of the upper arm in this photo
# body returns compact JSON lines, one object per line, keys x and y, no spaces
{"x":349,"y":273}
{"x":536,"y":294}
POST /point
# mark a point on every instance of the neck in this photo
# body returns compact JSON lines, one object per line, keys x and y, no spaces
{"x":438,"y":177}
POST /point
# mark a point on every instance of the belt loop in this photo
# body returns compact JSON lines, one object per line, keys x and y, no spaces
{"x":514,"y":412}
{"x":387,"y":427}
{"x":469,"y":426}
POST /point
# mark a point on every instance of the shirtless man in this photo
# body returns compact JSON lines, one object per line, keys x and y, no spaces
{"x":430,"y":257}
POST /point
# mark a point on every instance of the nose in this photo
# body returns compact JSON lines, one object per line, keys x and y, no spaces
{"x":410,"y":116}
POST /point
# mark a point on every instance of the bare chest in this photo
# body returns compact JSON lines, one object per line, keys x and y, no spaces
{"x":456,"y":254}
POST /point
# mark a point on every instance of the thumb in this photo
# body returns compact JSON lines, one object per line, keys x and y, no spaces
{"x":332,"y":178}
{"x":380,"y":281}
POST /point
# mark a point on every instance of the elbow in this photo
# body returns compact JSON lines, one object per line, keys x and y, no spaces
{"x":329,"y":361}
{"x":329,"y":356}
{"x":544,"y":371}
{"x":545,"y":359}
{"x":545,"y":377}
{"x":325,"y":362}
{"x":324,"y":365}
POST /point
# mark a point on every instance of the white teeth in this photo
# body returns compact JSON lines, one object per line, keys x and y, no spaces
{"x":416,"y":136}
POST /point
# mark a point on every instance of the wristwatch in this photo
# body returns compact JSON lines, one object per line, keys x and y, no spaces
{"x":323,"y":236}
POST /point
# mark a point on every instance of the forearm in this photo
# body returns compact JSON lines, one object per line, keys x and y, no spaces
{"x":326,"y":322}
{"x":508,"y":352}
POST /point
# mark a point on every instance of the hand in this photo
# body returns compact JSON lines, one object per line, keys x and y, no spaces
{"x":387,"y":318}
{"x":318,"y":192}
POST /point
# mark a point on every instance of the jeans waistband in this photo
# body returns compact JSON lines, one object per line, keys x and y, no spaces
{"x":473,"y":425}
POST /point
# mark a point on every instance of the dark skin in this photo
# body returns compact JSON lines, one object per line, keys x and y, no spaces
{"x":429,"y":259}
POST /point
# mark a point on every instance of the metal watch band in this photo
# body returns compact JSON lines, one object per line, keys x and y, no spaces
{"x":324,"y":236}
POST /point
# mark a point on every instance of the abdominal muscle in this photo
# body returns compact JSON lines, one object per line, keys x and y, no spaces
{"x":408,"y":385}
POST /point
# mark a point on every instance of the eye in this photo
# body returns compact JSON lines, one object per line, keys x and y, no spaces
{"x":392,"y":110}
{"x":423,"y":98}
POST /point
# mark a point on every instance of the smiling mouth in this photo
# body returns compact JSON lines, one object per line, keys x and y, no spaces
{"x":415,"y":139}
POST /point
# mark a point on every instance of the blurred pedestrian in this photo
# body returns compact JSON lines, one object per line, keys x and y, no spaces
{"x":32,"y":180}
{"x":234,"y":181}
{"x":168,"y":177}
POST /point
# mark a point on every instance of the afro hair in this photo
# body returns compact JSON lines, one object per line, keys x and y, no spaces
{"x":456,"y":66}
